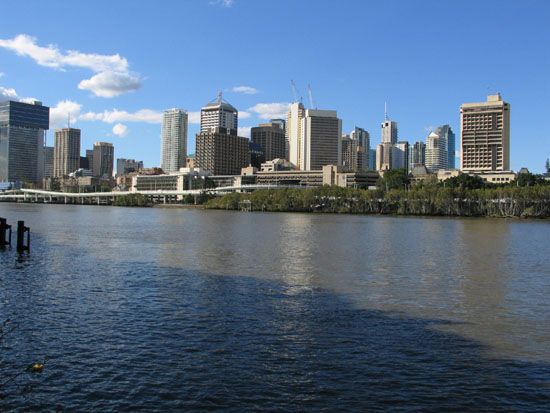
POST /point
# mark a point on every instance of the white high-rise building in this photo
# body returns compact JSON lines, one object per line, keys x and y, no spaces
{"x":436,"y":152}
{"x":174,"y":140}
{"x":400,"y":156}
{"x":219,"y":116}
{"x":294,"y":133}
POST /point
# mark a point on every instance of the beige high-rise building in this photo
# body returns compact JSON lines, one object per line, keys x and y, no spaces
{"x":485,"y":135}
{"x":66,"y":158}
{"x":104,"y":156}
{"x":295,"y":133}
{"x":321,"y":143}
{"x":221,"y":153}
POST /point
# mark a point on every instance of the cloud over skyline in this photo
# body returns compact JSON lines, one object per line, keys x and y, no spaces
{"x":270,"y":110}
{"x":112,"y":74}
{"x":246,"y":90}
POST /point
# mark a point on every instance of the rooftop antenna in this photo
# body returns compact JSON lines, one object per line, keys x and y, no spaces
{"x":219,"y":96}
{"x":386,"y":111}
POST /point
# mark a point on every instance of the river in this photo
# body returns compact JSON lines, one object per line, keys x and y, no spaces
{"x":189,"y":310}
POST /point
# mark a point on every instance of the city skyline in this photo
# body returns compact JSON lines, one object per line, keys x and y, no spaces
{"x":116,"y":90}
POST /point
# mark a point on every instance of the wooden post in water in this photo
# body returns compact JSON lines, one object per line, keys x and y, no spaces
{"x":4,"y":228}
{"x":21,"y":230}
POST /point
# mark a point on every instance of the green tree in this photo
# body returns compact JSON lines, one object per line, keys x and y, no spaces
{"x":464,"y":182}
{"x":394,"y":179}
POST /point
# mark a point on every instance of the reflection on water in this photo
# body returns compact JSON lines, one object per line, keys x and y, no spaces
{"x":319,"y":307}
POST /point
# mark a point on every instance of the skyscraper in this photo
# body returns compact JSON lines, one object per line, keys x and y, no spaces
{"x":66,"y":158}
{"x":104,"y":154}
{"x":48,"y":161}
{"x":362,"y":137}
{"x":445,"y":132}
{"x":174,"y":140}
{"x":295,"y":133}
{"x":321,"y":142}
{"x":349,"y":153}
{"x":384,"y":156}
{"x":271,"y":137}
{"x":400,"y":156}
{"x":417,"y":155}
{"x":485,"y":135}
{"x":218,"y":115}
{"x":436,"y":152}
{"x":22,"y":131}
{"x":218,"y":148}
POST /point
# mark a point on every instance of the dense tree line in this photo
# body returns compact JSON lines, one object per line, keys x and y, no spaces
{"x":132,"y":200}
{"x":458,"y":197}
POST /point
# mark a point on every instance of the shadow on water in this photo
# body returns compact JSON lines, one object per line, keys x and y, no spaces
{"x":162,"y":339}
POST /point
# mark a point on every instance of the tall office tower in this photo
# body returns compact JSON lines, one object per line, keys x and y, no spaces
{"x":218,"y":115}
{"x":349,"y":153}
{"x":280,"y":122}
{"x":104,"y":154}
{"x":363,"y":147}
{"x":400,"y":156}
{"x":321,"y":143}
{"x":295,"y":133}
{"x":125,"y":166}
{"x":220,"y":153}
{"x":174,"y":140}
{"x":48,"y":161}
{"x":417,"y":155}
{"x":384,"y":154}
{"x":436,"y":152}
{"x":22,"y":135}
{"x":271,"y":137}
{"x":485,"y":135}
{"x":66,"y":158}
{"x":90,"y":157}
{"x":445,"y":132}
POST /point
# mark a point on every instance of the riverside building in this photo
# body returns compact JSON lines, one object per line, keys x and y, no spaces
{"x":104,"y":153}
{"x":417,"y":155}
{"x":218,"y":148}
{"x":22,"y":135}
{"x":321,"y":144}
{"x":66,"y":158}
{"x":485,"y":135}
{"x":271,"y":137}
{"x":174,"y":140}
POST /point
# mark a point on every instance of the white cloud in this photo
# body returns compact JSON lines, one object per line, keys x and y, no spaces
{"x":115,"y":115}
{"x":270,"y":110}
{"x":244,"y":131}
{"x":112,"y":78}
{"x":8,"y":93}
{"x":194,"y":117}
{"x":223,"y":3}
{"x":2,"y":74}
{"x":244,"y":115}
{"x":11,"y":94}
{"x":59,"y":114}
{"x":110,"y":84}
{"x":120,"y":129}
{"x":247,"y":90}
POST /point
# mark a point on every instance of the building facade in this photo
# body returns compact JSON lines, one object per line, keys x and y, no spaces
{"x":321,"y":144}
{"x":48,"y":161}
{"x":485,"y":135}
{"x":219,"y":114}
{"x":271,"y":137}
{"x":125,"y":166}
{"x":295,"y":134}
{"x":104,"y":154}
{"x":400,"y":155}
{"x":417,"y":155}
{"x":174,"y":140}
{"x":445,"y":132}
{"x":66,"y":152}
{"x":362,"y":137}
{"x":436,"y":152}
{"x":349,"y":153}
{"x":220,"y":153}
{"x":22,"y":136}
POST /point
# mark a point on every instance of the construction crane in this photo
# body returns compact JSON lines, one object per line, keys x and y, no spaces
{"x":294,"y":91}
{"x":310,"y":93}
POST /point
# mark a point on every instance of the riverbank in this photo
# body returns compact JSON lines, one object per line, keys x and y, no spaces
{"x":518,"y":202}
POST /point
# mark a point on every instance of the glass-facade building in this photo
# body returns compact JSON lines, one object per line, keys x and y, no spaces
{"x":22,"y":130}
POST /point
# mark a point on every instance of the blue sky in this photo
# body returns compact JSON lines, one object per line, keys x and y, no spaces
{"x":115,"y":65}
